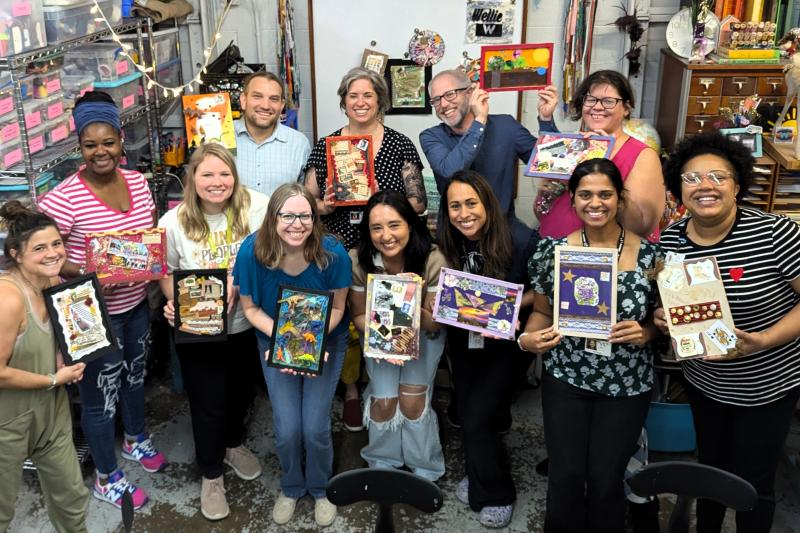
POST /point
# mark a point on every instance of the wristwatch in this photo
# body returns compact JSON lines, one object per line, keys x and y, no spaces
{"x":519,"y":341}
{"x":52,"y":381}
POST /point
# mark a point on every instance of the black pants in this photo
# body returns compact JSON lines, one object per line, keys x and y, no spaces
{"x":219,"y":379}
{"x":748,"y":442}
{"x":589,"y":437}
{"x":483,"y":380}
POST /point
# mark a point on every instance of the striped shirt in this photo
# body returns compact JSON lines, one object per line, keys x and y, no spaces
{"x":78,"y":211}
{"x":758,"y":261}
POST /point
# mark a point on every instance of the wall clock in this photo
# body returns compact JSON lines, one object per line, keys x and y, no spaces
{"x":680,"y":33}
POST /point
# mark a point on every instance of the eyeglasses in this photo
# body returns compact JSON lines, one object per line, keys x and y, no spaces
{"x":449,"y":96}
{"x":609,"y":102}
{"x":289,"y":218}
{"x":716,"y":177}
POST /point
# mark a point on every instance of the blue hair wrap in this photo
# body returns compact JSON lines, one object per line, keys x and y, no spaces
{"x":89,"y":112}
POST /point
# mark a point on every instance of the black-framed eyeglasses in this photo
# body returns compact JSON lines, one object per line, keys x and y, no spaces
{"x":716,"y":177}
{"x":608,"y":102}
{"x":289,"y":218}
{"x":449,"y":96}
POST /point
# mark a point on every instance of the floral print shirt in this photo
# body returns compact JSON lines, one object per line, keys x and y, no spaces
{"x":629,"y":369}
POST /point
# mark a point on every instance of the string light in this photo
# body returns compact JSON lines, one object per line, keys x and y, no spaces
{"x":145,"y":70}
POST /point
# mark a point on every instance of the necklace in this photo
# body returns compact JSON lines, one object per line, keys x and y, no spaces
{"x":620,"y":241}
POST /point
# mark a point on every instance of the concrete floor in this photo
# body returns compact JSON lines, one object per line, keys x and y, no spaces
{"x":175,"y":493}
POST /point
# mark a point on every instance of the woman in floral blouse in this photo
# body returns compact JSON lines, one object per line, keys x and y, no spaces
{"x":595,"y":394}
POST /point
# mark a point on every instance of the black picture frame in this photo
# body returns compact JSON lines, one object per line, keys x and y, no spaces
{"x":293,"y":305}
{"x":91,"y":320}
{"x":183,"y":332}
{"x":394,"y":108}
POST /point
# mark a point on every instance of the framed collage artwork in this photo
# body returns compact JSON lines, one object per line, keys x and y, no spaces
{"x":556,"y":155}
{"x":201,"y":305}
{"x":127,"y":256}
{"x":300,"y":329}
{"x":351,"y":173}
{"x":408,"y":87}
{"x":516,"y":67}
{"x":393,"y":311}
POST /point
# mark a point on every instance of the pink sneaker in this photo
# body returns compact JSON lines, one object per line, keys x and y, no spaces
{"x":143,"y":451}
{"x":112,"y":491}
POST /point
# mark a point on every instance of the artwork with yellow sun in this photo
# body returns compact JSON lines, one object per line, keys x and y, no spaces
{"x":519,"y":67}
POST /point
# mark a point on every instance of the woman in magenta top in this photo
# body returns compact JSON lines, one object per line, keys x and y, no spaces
{"x":602,"y":102}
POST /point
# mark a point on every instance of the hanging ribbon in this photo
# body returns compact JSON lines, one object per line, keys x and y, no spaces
{"x":579,"y":28}
{"x":286,"y":53}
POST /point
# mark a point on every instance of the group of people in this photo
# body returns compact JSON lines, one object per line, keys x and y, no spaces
{"x":268,"y":217}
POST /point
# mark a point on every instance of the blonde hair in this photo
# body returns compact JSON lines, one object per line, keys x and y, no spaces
{"x":269,"y":247}
{"x":190,"y":213}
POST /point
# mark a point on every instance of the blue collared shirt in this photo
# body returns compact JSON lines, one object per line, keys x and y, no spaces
{"x":276,"y":161}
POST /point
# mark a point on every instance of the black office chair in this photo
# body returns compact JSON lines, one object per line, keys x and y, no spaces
{"x":690,"y":481}
{"x":385,"y":488}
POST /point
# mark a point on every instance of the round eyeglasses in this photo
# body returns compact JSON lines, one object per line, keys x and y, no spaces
{"x":716,"y":177}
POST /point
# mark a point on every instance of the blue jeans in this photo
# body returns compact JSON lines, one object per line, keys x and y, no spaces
{"x":301,"y":412}
{"x":405,"y":439}
{"x":116,"y":377}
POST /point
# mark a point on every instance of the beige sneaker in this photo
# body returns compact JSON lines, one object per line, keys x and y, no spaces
{"x":244,"y":462}
{"x":213,"y":504}
{"x":284,"y":509}
{"x":324,"y":512}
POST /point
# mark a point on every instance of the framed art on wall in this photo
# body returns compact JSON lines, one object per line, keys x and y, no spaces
{"x":127,"y":256}
{"x":201,"y":305}
{"x":408,"y":87}
{"x":375,"y":61}
{"x":392,"y":316}
{"x":300,"y":329}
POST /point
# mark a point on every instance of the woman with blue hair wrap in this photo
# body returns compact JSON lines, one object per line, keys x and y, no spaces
{"x":99,"y":197}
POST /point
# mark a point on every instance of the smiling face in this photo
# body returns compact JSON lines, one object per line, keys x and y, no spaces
{"x":451,"y":113}
{"x":214,"y":182}
{"x":710,"y":204}
{"x":42,"y":256}
{"x":599,"y":118}
{"x":262,"y":104}
{"x":388,"y":231}
{"x":596,"y":201}
{"x":466,"y":210}
{"x":294,"y":235}
{"x":101,"y":148}
{"x":361,"y":102}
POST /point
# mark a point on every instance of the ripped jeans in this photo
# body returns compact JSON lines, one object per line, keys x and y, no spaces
{"x":116,"y":378}
{"x":397,"y":411}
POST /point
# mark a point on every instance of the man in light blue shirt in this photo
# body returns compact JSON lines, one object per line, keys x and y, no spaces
{"x":268,"y":153}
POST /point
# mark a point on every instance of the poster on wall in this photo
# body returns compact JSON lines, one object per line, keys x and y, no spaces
{"x":490,"y":22}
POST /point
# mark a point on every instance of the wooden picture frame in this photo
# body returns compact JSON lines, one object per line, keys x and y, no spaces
{"x":392,"y":317}
{"x":127,"y":256}
{"x":556,"y":155}
{"x":585,"y":291}
{"x":749,"y":136}
{"x":516,"y":67}
{"x":374,"y":61}
{"x":201,"y":305}
{"x":300,"y":331}
{"x":80,"y":320}
{"x":408,"y":87}
{"x":477,"y":303}
{"x":351,"y":172}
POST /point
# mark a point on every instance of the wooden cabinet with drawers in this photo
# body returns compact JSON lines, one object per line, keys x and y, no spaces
{"x":691,"y":95}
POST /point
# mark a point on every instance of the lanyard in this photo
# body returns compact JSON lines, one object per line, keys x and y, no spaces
{"x":620,"y":241}
{"x":228,"y":238}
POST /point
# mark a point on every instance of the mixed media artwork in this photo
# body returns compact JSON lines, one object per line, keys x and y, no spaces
{"x":201,"y":305}
{"x":208,"y":118}
{"x":301,"y":329}
{"x":374,"y":61}
{"x":490,"y":22}
{"x":393,"y":316}
{"x":350,"y":170}
{"x":408,"y":84}
{"x":128,"y":255}
{"x":585,"y":291}
{"x":80,"y":319}
{"x":556,"y":155}
{"x":749,"y":136}
{"x":477,"y":303}
{"x":518,"y":67}
{"x":696,"y":307}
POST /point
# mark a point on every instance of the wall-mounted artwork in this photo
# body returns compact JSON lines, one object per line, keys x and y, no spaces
{"x":80,"y":319}
{"x":374,"y":61}
{"x":519,"y":67}
{"x":392,"y":318}
{"x":490,"y":21}
{"x":556,"y":155}
{"x":300,"y":329}
{"x":201,"y":305}
{"x":126,"y":256}
{"x":208,"y":118}
{"x":408,"y":87}
{"x":350,"y":169}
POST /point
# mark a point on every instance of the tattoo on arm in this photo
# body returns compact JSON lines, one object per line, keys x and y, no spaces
{"x":415,"y":186}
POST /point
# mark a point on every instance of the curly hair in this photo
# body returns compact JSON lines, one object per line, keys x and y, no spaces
{"x":736,"y":154}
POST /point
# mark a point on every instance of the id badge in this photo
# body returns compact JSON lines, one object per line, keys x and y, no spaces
{"x":475,"y":341}
{"x":597,"y":346}
{"x":356,"y":216}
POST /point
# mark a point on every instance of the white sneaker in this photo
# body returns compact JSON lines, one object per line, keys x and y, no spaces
{"x":284,"y":509}
{"x":324,"y":512}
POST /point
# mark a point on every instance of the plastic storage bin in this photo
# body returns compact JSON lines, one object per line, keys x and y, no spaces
{"x":47,"y":84}
{"x":10,"y":154}
{"x":101,"y":60}
{"x":136,"y":153}
{"x":9,"y":129}
{"x":34,"y":113}
{"x":17,"y":188}
{"x":670,"y":427}
{"x":36,"y":139}
{"x":169,"y":74}
{"x":62,"y":23}
{"x":73,"y":87}
{"x":53,"y":107}
{"x":124,"y":91}
{"x":6,"y":101}
{"x":57,"y":131}
{"x":165,"y":46}
{"x":23,"y":26}
{"x":133,"y":133}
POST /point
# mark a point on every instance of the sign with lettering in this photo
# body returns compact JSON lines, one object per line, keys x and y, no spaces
{"x":490,"y":22}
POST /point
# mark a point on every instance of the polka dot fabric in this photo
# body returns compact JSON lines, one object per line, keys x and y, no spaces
{"x":395,"y":150}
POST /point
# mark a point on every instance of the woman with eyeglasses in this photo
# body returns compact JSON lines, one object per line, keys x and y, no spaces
{"x":742,"y":407}
{"x":602,"y":102}
{"x":292,"y":249}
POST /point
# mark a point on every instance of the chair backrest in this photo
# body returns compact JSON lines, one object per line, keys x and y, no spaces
{"x":384,"y":487}
{"x":693,"y":480}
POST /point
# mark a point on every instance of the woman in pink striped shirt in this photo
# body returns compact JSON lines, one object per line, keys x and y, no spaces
{"x":103,"y":197}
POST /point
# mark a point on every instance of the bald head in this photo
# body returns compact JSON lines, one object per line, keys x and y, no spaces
{"x":456,"y":76}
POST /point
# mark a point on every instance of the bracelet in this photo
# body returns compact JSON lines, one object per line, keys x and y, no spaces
{"x":52,"y":381}
{"x":519,"y":341}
